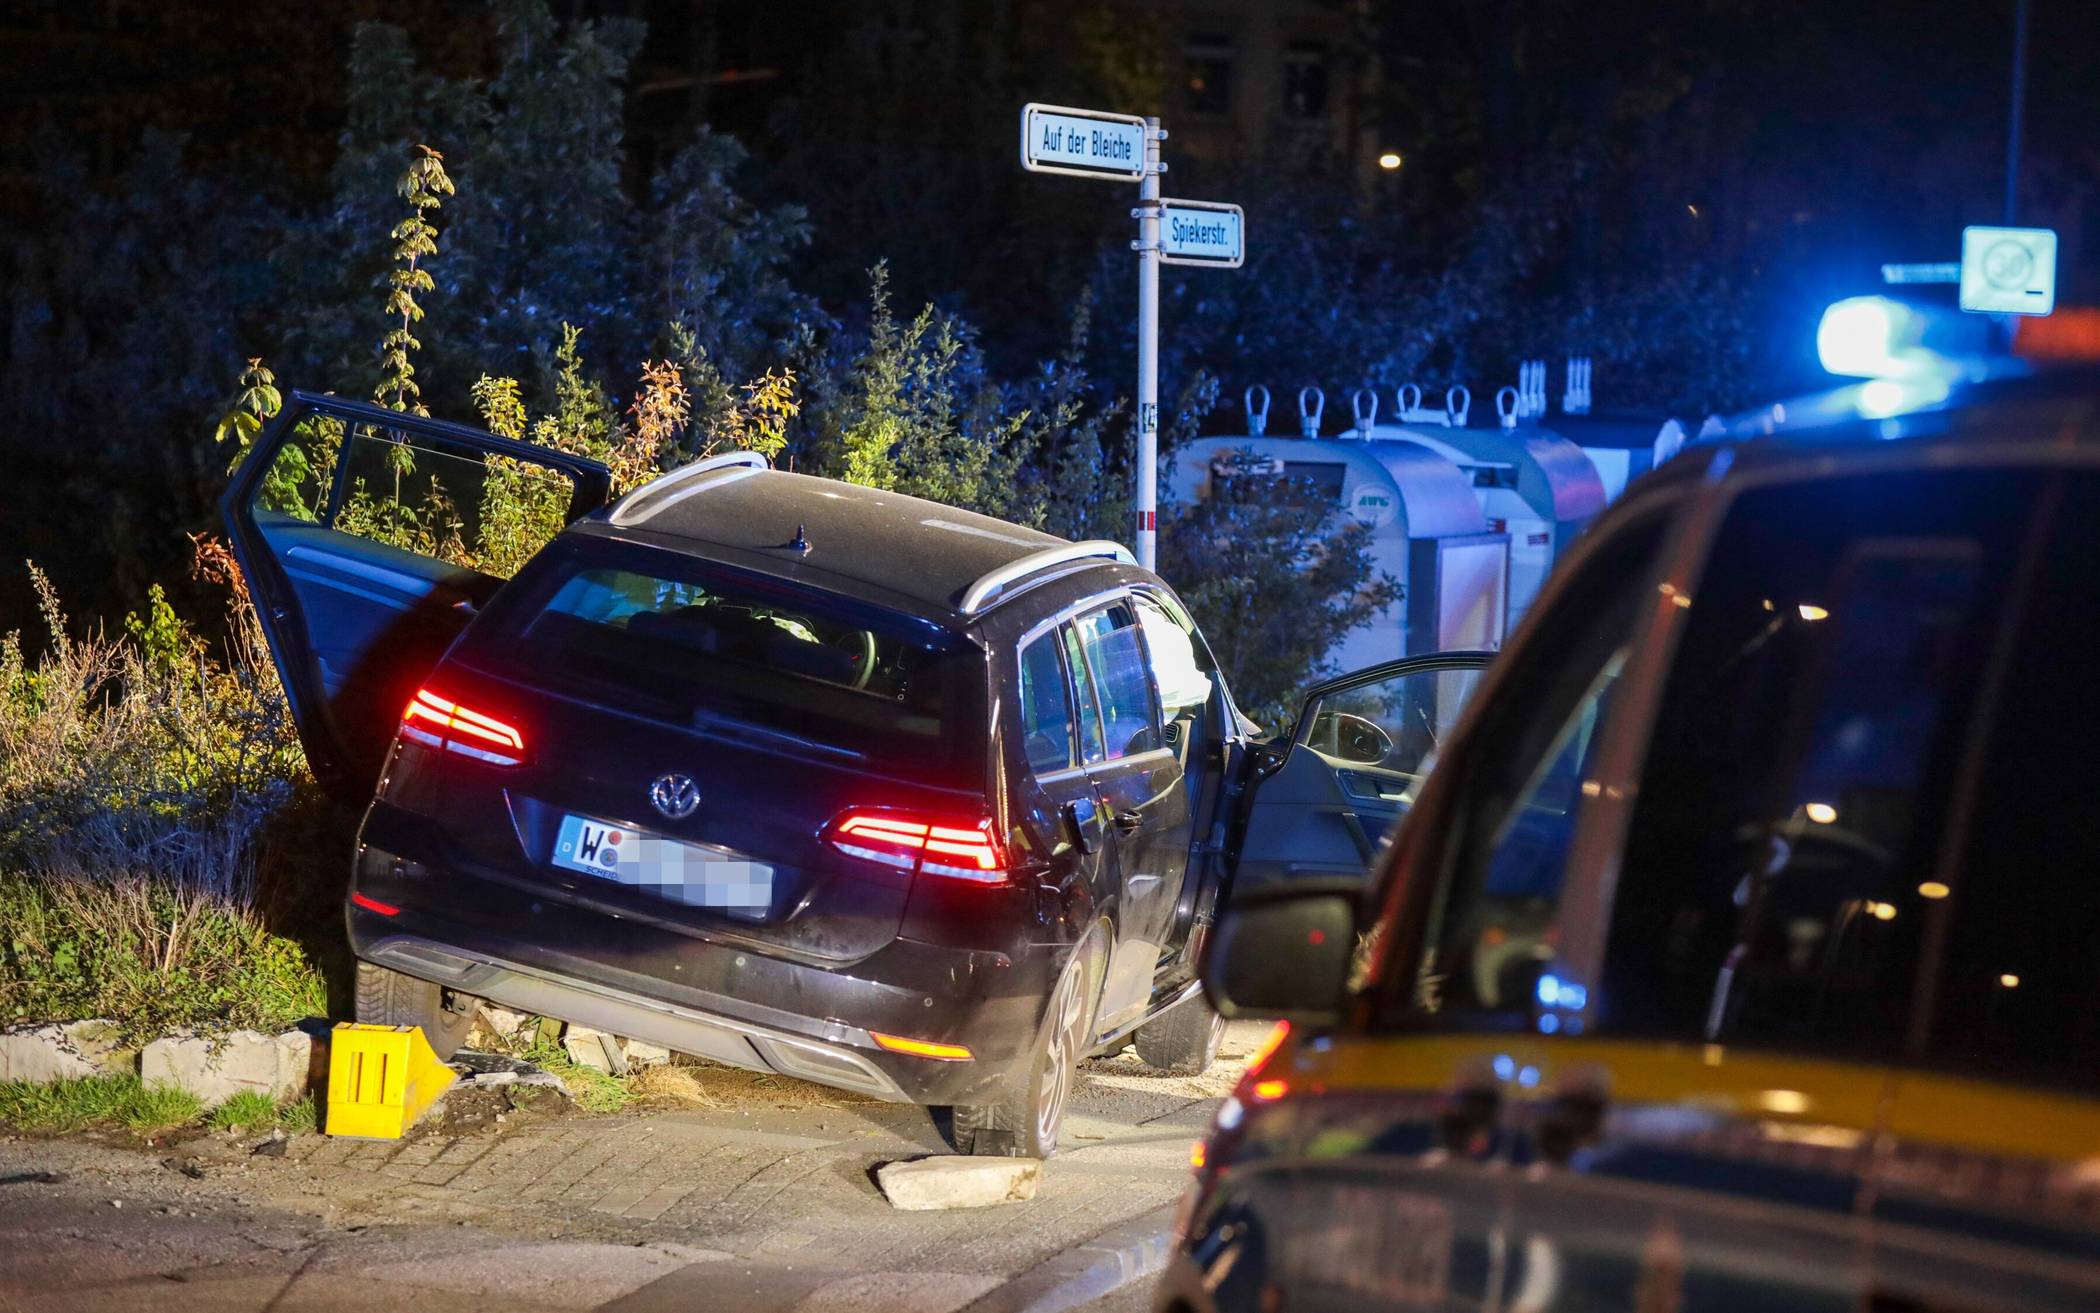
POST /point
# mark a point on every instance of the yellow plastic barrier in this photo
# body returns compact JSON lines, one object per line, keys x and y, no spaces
{"x":381,"y":1079}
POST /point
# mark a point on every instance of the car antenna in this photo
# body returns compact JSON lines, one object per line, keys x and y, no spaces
{"x":800,"y":542}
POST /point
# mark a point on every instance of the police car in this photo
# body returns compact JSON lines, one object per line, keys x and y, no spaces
{"x":1743,"y":950}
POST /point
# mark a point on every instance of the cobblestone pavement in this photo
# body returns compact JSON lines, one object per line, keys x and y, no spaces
{"x":765,"y":1202}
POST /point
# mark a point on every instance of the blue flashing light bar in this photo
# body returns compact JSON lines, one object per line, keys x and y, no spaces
{"x":1873,"y":337}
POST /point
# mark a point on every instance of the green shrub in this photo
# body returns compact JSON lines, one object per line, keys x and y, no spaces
{"x":150,"y":953}
{"x":141,"y":784}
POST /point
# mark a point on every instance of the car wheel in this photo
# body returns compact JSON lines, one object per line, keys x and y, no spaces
{"x":388,"y":998}
{"x":1183,"y":1039}
{"x":1026,"y":1123}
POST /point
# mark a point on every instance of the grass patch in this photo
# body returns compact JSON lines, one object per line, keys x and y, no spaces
{"x":246,"y":1109}
{"x":250,"y":1111}
{"x":302,"y":1116}
{"x":67,"y":1105}
{"x":61,"y":1107}
{"x":589,"y":1088}
{"x":154,"y":1109}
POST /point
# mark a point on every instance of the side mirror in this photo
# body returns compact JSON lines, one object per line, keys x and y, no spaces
{"x":1359,"y":739}
{"x":1284,"y":952}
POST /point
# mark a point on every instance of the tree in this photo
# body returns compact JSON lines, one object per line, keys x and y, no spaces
{"x":1276,"y":575}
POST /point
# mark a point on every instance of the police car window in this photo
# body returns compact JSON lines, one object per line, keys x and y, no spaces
{"x":1490,"y":925}
{"x":1122,"y":680}
{"x":2016,"y":992}
{"x":1046,"y":712}
{"x":1773,"y":890}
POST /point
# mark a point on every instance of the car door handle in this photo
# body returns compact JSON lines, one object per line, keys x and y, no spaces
{"x":1128,"y":821}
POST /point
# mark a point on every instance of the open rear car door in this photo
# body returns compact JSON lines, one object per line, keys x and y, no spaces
{"x":1324,"y":796}
{"x":369,"y":538}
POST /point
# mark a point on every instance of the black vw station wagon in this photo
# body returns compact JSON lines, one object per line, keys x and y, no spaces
{"x":783,"y":772}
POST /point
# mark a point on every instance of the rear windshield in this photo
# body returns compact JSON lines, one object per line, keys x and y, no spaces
{"x":747,"y":657}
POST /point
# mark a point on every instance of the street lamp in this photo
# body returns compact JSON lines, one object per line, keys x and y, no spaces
{"x":1390,"y":160}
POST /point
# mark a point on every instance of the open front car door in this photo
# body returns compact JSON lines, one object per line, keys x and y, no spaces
{"x":369,"y":538}
{"x":1324,"y":796}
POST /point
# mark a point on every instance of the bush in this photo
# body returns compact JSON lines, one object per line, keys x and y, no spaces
{"x":141,"y":782}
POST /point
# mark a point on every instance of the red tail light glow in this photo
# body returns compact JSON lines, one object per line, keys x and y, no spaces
{"x":374,"y":905}
{"x":442,"y":723}
{"x":930,"y":844}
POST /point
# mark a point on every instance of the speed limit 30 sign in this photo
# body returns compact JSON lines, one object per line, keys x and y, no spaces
{"x":2008,"y":271}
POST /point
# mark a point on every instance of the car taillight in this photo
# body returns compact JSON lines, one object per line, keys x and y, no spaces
{"x":442,"y":723}
{"x":909,"y":841}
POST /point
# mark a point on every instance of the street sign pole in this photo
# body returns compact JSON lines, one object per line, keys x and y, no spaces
{"x":1148,"y":350}
{"x":1089,"y":143}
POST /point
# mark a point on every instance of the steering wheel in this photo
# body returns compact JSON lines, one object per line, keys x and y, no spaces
{"x":860,"y":645}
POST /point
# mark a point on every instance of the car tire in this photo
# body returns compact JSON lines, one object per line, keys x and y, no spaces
{"x":1183,"y":1040}
{"x":1025,"y":1124}
{"x":388,"y":998}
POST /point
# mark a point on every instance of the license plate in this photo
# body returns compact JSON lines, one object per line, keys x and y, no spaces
{"x":688,"y":873}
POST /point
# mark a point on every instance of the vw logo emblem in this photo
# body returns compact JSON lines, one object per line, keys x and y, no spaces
{"x":676,"y":796}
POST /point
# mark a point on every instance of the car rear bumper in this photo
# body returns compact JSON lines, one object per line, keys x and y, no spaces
{"x":839,"y":1061}
{"x":724,"y":1002}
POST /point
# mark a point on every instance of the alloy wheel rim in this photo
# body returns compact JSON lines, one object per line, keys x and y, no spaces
{"x":1057,"y":1083}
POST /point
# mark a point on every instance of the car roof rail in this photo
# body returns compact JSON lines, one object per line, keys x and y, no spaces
{"x":979,"y":595}
{"x":676,"y":485}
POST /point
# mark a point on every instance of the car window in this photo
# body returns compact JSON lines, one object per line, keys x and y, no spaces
{"x":1122,"y":680}
{"x":1181,"y":674}
{"x":1185,"y":681}
{"x":1395,"y":724}
{"x":485,"y":512}
{"x":1799,"y":774}
{"x":1046,"y":709}
{"x":1089,"y":707}
{"x":1486,"y":928}
{"x":685,"y":641}
{"x":2016,"y":992}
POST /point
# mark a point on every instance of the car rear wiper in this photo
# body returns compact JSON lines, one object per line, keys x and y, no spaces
{"x":718,"y":723}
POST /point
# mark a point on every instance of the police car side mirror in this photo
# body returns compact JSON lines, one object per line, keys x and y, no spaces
{"x":1283,"y":952}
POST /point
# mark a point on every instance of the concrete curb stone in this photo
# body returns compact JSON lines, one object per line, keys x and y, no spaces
{"x":70,"y":1051}
{"x":217,"y":1067}
{"x":958,"y":1181}
{"x":1121,"y":1256}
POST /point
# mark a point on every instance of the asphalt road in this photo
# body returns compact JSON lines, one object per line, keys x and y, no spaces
{"x":760,"y":1199}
